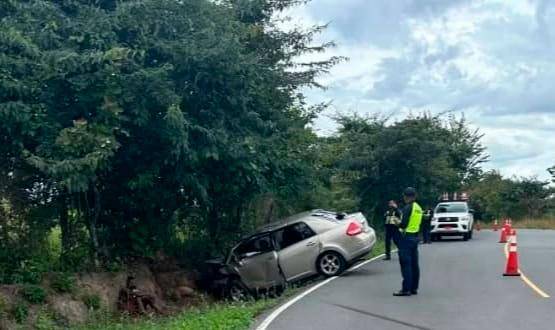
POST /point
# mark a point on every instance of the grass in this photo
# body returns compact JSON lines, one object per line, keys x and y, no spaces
{"x":535,"y":224}
{"x":218,"y":316}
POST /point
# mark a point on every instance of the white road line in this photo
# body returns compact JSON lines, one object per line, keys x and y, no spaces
{"x":264,"y":325}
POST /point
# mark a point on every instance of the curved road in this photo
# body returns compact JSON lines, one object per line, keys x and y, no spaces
{"x":462,"y":287}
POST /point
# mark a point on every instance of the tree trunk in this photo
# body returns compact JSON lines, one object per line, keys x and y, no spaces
{"x":64,"y":227}
{"x":93,"y":223}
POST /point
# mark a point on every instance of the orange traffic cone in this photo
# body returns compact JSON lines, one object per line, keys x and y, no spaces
{"x":495,"y":225}
{"x":503,"y":238}
{"x":512,"y":261}
{"x":507,"y":226}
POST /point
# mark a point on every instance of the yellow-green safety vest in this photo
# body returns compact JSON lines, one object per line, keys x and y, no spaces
{"x":415,"y":219}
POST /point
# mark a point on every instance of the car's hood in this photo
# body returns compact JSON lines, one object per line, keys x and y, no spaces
{"x":451,"y":215}
{"x":215,"y":261}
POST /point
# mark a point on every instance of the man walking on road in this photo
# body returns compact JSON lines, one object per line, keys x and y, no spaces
{"x":392,"y":221}
{"x":408,"y":244}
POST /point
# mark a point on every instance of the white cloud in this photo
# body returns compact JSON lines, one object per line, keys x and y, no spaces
{"x":491,"y":59}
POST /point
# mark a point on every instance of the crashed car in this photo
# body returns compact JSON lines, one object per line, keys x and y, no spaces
{"x":292,"y":249}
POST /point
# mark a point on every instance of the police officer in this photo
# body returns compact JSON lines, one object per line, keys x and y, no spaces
{"x":427,"y":225}
{"x":408,"y":244}
{"x":392,"y":221}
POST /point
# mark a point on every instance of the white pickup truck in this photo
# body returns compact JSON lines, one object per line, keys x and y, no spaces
{"x":452,"y":219}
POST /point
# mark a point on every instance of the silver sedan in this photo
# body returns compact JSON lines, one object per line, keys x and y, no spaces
{"x":297,"y":247}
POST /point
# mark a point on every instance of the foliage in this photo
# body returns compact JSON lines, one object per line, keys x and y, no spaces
{"x":63,"y":282}
{"x":33,"y":294}
{"x":3,"y":307}
{"x":92,"y":301}
{"x":217,"y":316}
{"x":45,"y":320}
{"x":20,"y":311}
{"x":494,"y":197}
{"x":29,"y":271}
{"x":125,"y":123}
{"x":427,"y":152}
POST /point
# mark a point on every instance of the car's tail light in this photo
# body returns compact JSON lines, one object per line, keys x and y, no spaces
{"x":354,"y":228}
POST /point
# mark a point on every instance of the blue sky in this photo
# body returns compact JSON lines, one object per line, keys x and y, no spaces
{"x":493,"y":60}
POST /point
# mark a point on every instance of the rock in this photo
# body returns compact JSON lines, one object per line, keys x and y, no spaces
{"x":185,"y":292}
{"x":73,"y":311}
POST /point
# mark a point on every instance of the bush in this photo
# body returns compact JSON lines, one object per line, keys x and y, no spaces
{"x":92,"y":301}
{"x":20,"y":312}
{"x":63,"y":283}
{"x":3,"y":307}
{"x":45,"y":320}
{"x":33,"y":294}
{"x":30,"y":272}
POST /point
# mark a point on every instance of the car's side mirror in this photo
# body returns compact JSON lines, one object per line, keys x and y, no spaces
{"x":471,"y":211}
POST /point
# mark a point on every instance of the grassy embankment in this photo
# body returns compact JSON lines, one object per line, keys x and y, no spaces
{"x":217,"y":316}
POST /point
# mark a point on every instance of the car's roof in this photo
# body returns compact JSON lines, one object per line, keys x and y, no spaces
{"x":295,"y":218}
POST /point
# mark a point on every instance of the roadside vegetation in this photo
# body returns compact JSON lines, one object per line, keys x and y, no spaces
{"x":139,"y":131}
{"x":546,"y":223}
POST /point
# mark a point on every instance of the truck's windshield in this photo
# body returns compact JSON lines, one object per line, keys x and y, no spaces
{"x":451,"y":208}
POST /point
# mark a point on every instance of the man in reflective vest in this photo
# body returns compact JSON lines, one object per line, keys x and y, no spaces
{"x":408,"y":244}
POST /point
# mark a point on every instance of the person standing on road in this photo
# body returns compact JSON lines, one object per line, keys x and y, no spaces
{"x":408,"y":244}
{"x":427,"y":225}
{"x":392,"y":221}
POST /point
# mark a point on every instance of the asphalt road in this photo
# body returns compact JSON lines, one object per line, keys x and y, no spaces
{"x":462,"y":287}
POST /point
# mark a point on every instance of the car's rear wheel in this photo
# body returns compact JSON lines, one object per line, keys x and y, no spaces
{"x":330,"y":264}
{"x":237,"y":291}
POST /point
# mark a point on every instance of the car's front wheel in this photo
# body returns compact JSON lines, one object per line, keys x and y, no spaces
{"x":330,"y":264}
{"x":237,"y":291}
{"x":466,"y":236}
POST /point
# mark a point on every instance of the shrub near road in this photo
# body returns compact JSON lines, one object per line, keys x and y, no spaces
{"x":135,"y":126}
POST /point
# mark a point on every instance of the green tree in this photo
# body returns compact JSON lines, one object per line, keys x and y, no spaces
{"x":130,"y":119}
{"x":426,"y":152}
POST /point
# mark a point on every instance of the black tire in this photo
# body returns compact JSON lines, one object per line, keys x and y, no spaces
{"x":330,"y":264}
{"x":466,"y":236}
{"x":276,"y":291}
{"x":438,"y":238}
{"x":433,"y":238}
{"x":471,"y":233}
{"x":237,"y":291}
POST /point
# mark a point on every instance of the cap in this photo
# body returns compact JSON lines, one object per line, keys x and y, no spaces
{"x":409,"y":192}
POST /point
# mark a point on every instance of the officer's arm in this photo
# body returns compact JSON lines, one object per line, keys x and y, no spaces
{"x":407,"y":211}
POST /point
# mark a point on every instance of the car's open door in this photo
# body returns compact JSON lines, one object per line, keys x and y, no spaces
{"x":256,"y":262}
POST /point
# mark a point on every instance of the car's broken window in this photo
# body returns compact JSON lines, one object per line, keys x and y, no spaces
{"x":253,"y":246}
{"x":292,"y":234}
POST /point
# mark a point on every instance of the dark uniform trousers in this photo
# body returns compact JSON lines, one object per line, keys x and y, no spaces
{"x":391,"y":234}
{"x":408,"y":257}
{"x":426,"y":228}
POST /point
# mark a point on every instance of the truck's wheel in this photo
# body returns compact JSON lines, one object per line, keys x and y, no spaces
{"x":471,"y":233}
{"x":466,"y":236}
